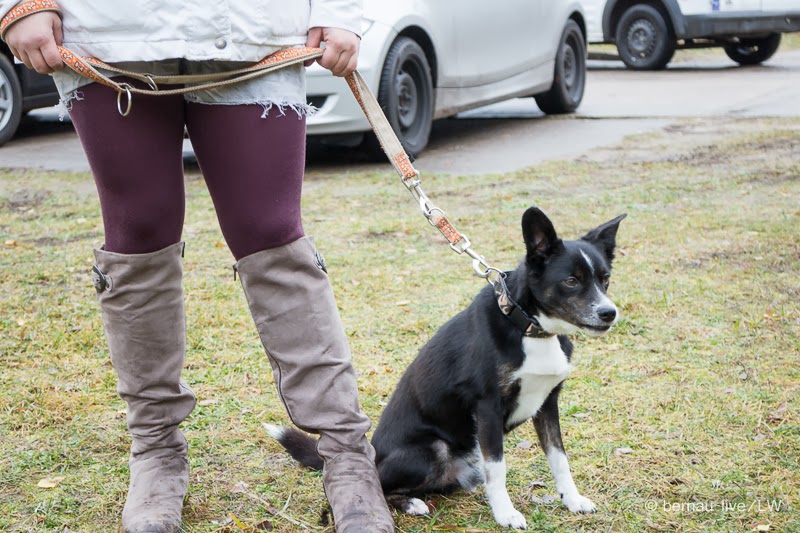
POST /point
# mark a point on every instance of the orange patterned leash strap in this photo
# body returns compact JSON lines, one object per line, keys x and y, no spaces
{"x":91,"y":68}
{"x":279,"y":59}
{"x":402,"y":163}
{"x":26,"y":9}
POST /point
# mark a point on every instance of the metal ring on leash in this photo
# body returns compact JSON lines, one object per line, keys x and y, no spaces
{"x":119,"y":100}
{"x":151,"y":82}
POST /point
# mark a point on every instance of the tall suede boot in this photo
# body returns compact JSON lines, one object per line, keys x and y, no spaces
{"x":292,"y":304}
{"x":141,"y":298}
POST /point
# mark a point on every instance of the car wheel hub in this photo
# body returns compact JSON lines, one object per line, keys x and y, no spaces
{"x":642,"y":38}
{"x":747,"y":49}
{"x":6,"y":102}
{"x":570,"y":67}
{"x":407,"y":101}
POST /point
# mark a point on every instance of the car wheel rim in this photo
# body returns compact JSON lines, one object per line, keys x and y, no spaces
{"x":407,"y":99}
{"x":642,"y":38}
{"x":747,"y":50}
{"x":570,"y":67}
{"x":6,"y":100}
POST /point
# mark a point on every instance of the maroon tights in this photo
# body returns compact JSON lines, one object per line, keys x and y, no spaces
{"x":253,"y":168}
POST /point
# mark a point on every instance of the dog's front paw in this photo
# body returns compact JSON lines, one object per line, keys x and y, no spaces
{"x":416,"y":507}
{"x":579,"y":504}
{"x":511,"y":518}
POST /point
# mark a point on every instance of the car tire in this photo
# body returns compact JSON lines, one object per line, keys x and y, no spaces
{"x":753,"y":51}
{"x":10,"y":100}
{"x":644,"y":40}
{"x":406,"y":96}
{"x":569,"y":77}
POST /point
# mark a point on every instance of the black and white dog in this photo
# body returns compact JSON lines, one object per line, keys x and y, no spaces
{"x":498,"y":363}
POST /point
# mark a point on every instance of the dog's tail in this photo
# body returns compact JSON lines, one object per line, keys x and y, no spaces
{"x":301,"y":446}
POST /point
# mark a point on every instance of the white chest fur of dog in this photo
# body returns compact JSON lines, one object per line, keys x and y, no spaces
{"x":544,"y":368}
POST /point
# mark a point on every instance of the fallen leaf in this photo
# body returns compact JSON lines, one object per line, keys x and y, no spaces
{"x":759,"y":437}
{"x":623,"y":451}
{"x":238,"y":522}
{"x":207,"y":402}
{"x":11,"y":243}
{"x":266,"y":525}
{"x":241,"y":486}
{"x":524,"y":444}
{"x":537,"y":485}
{"x":49,"y":483}
{"x":402,"y":303}
{"x":762,"y":527}
{"x":778,"y":413}
{"x":581,"y":415}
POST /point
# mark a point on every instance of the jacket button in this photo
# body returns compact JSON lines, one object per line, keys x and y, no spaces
{"x":220,"y":43}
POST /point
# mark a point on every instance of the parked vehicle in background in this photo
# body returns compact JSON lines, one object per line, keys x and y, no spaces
{"x":21,"y":90}
{"x":647,"y":32}
{"x":423,"y":59}
{"x":428,"y":59}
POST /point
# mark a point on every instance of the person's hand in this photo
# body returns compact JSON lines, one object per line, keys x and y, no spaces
{"x":34,"y":40}
{"x":341,"y":49}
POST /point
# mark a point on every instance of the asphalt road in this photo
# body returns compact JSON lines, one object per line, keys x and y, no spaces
{"x":515,"y":134}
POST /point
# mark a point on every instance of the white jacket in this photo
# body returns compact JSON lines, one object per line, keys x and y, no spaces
{"x":229,"y":30}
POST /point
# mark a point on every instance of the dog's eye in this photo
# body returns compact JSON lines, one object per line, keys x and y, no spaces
{"x":571,"y":282}
{"x":606,"y":280}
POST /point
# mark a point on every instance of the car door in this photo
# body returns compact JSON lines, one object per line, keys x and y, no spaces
{"x":792,"y":6}
{"x":499,"y":39}
{"x":730,"y":6}
{"x":704,"y":7}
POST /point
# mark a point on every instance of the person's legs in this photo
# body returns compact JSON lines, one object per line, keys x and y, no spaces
{"x":254,"y":170}
{"x":137,"y":166}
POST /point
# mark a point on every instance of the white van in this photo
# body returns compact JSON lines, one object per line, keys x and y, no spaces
{"x":647,"y":32}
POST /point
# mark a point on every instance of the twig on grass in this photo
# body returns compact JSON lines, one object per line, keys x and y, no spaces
{"x":281,"y":512}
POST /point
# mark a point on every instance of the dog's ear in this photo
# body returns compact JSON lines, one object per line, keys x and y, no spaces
{"x":604,"y":236}
{"x":539,"y":234}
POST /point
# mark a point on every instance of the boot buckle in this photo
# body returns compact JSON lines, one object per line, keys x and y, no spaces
{"x":320,"y":261}
{"x":100,"y":281}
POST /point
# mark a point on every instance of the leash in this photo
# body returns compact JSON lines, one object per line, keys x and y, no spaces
{"x":387,"y":138}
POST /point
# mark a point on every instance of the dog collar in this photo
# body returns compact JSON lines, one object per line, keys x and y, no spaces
{"x":529,"y":325}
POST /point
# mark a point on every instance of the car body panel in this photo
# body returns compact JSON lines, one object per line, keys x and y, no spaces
{"x":483,"y":54}
{"x":38,"y":90}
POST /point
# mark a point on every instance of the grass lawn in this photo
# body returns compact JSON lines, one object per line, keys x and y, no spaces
{"x":684,"y":418}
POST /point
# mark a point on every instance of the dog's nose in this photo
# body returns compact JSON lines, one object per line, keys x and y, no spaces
{"x":607,"y":314}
